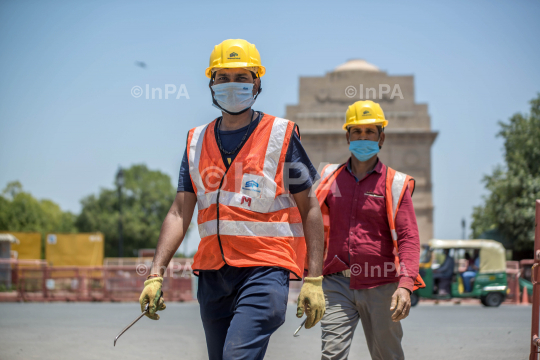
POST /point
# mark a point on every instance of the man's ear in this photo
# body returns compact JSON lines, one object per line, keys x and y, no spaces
{"x":381,"y":140}
{"x":348,"y":136}
{"x":211,"y":82}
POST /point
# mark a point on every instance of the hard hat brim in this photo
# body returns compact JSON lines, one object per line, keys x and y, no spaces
{"x":235,"y":65}
{"x":382,"y":123}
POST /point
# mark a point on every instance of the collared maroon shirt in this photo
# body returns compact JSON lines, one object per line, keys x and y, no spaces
{"x":360,"y":238}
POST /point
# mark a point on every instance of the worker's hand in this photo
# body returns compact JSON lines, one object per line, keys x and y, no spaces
{"x":311,"y":300}
{"x":151,"y":295}
{"x":401,"y":303}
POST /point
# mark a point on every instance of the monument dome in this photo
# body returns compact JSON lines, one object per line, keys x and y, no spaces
{"x":355,"y":65}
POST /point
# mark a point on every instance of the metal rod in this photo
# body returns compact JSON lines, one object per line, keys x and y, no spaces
{"x":130,"y":325}
{"x":300,"y":327}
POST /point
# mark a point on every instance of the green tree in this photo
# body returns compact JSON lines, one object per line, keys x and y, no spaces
{"x":509,"y":209}
{"x":146,"y":197}
{"x":20,"y":211}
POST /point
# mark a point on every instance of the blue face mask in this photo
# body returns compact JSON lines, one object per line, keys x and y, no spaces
{"x":233,"y":98}
{"x":364,"y":150}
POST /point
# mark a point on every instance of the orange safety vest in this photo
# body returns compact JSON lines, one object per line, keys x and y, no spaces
{"x":396,"y":185}
{"x":246,"y":216}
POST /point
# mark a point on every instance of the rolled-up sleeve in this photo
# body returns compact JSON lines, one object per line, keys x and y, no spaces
{"x":408,"y":242}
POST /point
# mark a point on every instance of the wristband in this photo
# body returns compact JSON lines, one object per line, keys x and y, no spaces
{"x":152,"y":275}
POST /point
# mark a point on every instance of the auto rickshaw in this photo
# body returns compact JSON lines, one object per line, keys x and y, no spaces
{"x":490,"y":283}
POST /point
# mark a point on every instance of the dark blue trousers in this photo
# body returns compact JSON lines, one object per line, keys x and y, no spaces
{"x":240,"y":309}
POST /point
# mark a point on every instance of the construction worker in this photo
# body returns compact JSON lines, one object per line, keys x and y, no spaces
{"x":250,"y":178}
{"x":369,"y":218}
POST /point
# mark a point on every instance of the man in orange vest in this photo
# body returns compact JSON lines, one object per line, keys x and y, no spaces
{"x":250,"y":178}
{"x":369,"y":220}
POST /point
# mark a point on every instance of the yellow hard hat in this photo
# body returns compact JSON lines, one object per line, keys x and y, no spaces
{"x":364,"y":112}
{"x":235,"y":53}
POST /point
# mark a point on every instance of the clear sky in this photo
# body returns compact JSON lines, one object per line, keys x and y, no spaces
{"x":68,"y":119}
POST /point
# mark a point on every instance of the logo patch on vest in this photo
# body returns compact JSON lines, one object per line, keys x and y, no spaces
{"x":251,"y":185}
{"x":246,"y":200}
{"x":259,"y":189}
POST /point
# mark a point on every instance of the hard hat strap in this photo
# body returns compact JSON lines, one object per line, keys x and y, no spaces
{"x":260,"y":87}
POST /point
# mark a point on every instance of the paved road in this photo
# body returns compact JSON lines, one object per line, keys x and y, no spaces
{"x":61,"y":331}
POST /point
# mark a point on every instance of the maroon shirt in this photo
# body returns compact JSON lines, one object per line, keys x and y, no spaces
{"x":360,"y":237}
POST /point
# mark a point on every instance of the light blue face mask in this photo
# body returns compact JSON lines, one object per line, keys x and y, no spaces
{"x":233,"y":98}
{"x":364,"y":150}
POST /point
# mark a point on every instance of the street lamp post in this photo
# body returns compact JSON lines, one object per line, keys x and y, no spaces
{"x":119,"y":184}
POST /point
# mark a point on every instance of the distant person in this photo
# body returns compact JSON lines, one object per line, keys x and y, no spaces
{"x":444,"y":273}
{"x":473,"y":265}
{"x":371,"y":218}
{"x":256,"y":228}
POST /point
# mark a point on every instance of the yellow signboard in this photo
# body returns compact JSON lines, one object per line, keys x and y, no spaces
{"x":74,"y":249}
{"x":29,"y":246}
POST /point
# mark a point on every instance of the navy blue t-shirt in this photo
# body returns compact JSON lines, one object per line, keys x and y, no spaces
{"x":302,"y":173}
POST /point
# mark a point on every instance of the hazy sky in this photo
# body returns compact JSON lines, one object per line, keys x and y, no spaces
{"x":68,"y":119}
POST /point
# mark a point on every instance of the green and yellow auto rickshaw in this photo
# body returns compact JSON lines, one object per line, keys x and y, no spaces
{"x":482,"y":263}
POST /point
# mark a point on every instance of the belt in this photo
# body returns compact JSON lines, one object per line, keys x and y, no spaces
{"x":344,"y":273}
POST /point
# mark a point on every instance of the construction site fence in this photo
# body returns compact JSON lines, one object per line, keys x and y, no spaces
{"x":35,"y":280}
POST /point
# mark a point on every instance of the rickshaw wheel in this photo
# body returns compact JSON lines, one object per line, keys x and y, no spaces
{"x":492,"y":299}
{"x":414,"y":299}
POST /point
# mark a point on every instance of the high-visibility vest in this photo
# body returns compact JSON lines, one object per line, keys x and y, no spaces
{"x":396,"y":185}
{"x":246,"y":215}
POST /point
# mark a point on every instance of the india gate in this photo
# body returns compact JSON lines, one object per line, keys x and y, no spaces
{"x":320,"y":114}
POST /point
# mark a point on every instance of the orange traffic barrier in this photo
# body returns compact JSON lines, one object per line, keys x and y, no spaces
{"x":525,"y":297}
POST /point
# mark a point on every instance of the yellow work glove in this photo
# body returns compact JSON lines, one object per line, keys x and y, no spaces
{"x":151,"y":295}
{"x":311,"y":300}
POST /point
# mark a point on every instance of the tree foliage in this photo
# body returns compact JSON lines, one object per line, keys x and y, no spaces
{"x":513,"y":188}
{"x":146,"y":197}
{"x":20,"y":211}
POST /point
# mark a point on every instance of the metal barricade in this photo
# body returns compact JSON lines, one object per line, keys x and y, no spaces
{"x":36,"y":281}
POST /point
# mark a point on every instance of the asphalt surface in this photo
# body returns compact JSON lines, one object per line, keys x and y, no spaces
{"x":86,"y":331}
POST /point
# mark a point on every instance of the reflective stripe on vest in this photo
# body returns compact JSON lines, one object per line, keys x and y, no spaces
{"x":251,"y":228}
{"x":195,"y":147}
{"x":328,"y":170}
{"x":239,"y":200}
{"x":398,"y":187}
